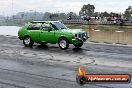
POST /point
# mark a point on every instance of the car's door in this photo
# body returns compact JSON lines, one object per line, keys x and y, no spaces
{"x":34,"y":32}
{"x":47,"y":33}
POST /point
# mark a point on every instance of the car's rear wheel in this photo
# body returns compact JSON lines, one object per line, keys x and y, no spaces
{"x":27,"y":41}
{"x":78,"y":45}
{"x":63,"y":43}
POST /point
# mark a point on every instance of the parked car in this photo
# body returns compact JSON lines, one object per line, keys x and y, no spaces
{"x":53,"y":32}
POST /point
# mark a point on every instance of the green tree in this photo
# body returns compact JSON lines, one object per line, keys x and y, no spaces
{"x":62,"y":16}
{"x":72,"y":15}
{"x":112,"y":14}
{"x":105,"y":14}
{"x":128,"y":12}
{"x":87,"y":10}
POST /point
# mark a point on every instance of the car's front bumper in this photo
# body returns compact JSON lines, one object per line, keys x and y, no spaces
{"x":79,"y":40}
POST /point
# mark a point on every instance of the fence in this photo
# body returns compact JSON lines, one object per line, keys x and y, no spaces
{"x":75,"y":22}
{"x":93,"y":22}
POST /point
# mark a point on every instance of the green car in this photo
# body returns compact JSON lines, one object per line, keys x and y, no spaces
{"x":53,"y":32}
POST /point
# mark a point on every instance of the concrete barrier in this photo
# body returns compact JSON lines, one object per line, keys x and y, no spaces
{"x":119,"y":37}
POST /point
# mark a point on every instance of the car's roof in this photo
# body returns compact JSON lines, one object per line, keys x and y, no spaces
{"x":43,"y":21}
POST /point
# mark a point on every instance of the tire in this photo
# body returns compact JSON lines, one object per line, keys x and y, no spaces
{"x":27,"y":41}
{"x":78,"y":45}
{"x":63,"y":43}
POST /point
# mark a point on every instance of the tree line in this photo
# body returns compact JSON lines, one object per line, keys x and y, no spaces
{"x":86,"y":10}
{"x":89,"y":10}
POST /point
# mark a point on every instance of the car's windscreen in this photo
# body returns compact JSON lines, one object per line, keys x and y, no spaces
{"x":58,"y":25}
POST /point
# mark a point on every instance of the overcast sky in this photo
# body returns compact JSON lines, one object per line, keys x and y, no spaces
{"x":61,"y":5}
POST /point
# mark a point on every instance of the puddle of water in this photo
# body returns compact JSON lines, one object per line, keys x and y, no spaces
{"x":9,"y":30}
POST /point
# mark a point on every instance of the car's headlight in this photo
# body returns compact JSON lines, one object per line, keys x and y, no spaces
{"x":74,"y":36}
{"x":86,"y":34}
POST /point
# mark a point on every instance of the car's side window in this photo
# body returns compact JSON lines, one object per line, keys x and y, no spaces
{"x":46,"y":27}
{"x":54,"y":27}
{"x":33,"y":27}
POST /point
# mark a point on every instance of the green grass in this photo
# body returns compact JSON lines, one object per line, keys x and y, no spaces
{"x":101,"y":27}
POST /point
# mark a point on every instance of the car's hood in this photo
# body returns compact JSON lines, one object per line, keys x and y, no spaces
{"x":74,"y":31}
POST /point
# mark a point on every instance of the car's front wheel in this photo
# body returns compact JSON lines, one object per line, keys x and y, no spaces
{"x":27,"y":41}
{"x":63,"y":43}
{"x":78,"y":45}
